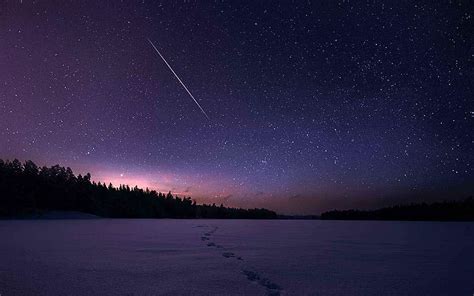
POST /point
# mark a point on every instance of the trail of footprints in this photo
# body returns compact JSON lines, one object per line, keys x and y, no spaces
{"x":253,"y":276}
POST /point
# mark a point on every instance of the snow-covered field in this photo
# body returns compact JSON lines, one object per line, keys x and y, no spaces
{"x":231,"y":257}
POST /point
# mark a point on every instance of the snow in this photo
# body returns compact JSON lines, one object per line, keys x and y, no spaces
{"x":235,"y":257}
{"x":59,"y":215}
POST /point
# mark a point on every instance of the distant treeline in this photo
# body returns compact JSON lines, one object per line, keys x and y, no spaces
{"x":438,"y":211}
{"x":26,"y":188}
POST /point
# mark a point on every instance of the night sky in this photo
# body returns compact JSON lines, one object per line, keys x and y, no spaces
{"x":311,"y":106}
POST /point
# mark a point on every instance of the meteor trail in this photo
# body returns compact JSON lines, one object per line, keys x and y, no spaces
{"x":190,"y":94}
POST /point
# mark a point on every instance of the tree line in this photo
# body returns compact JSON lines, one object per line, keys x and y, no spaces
{"x":26,"y":188}
{"x":462,"y":210}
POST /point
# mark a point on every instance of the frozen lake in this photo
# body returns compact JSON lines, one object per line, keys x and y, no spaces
{"x":232,"y":257}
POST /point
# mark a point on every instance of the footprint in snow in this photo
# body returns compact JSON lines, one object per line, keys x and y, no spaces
{"x":228,"y":254}
{"x":272,"y":288}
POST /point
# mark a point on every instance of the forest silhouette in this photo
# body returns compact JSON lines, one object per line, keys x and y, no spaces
{"x":461,"y":210}
{"x":27,"y":189}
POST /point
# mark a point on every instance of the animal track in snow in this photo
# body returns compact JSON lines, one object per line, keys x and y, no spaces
{"x":272,"y":288}
{"x":228,"y":254}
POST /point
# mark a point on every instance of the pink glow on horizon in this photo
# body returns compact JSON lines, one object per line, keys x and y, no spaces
{"x":218,"y":187}
{"x":207,"y":189}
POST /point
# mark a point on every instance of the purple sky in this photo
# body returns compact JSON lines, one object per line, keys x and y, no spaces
{"x":311,"y":106}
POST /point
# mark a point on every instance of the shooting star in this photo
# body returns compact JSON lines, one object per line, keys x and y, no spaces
{"x":180,"y":81}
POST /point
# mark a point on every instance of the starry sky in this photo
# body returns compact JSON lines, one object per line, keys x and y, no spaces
{"x":312,"y":105}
